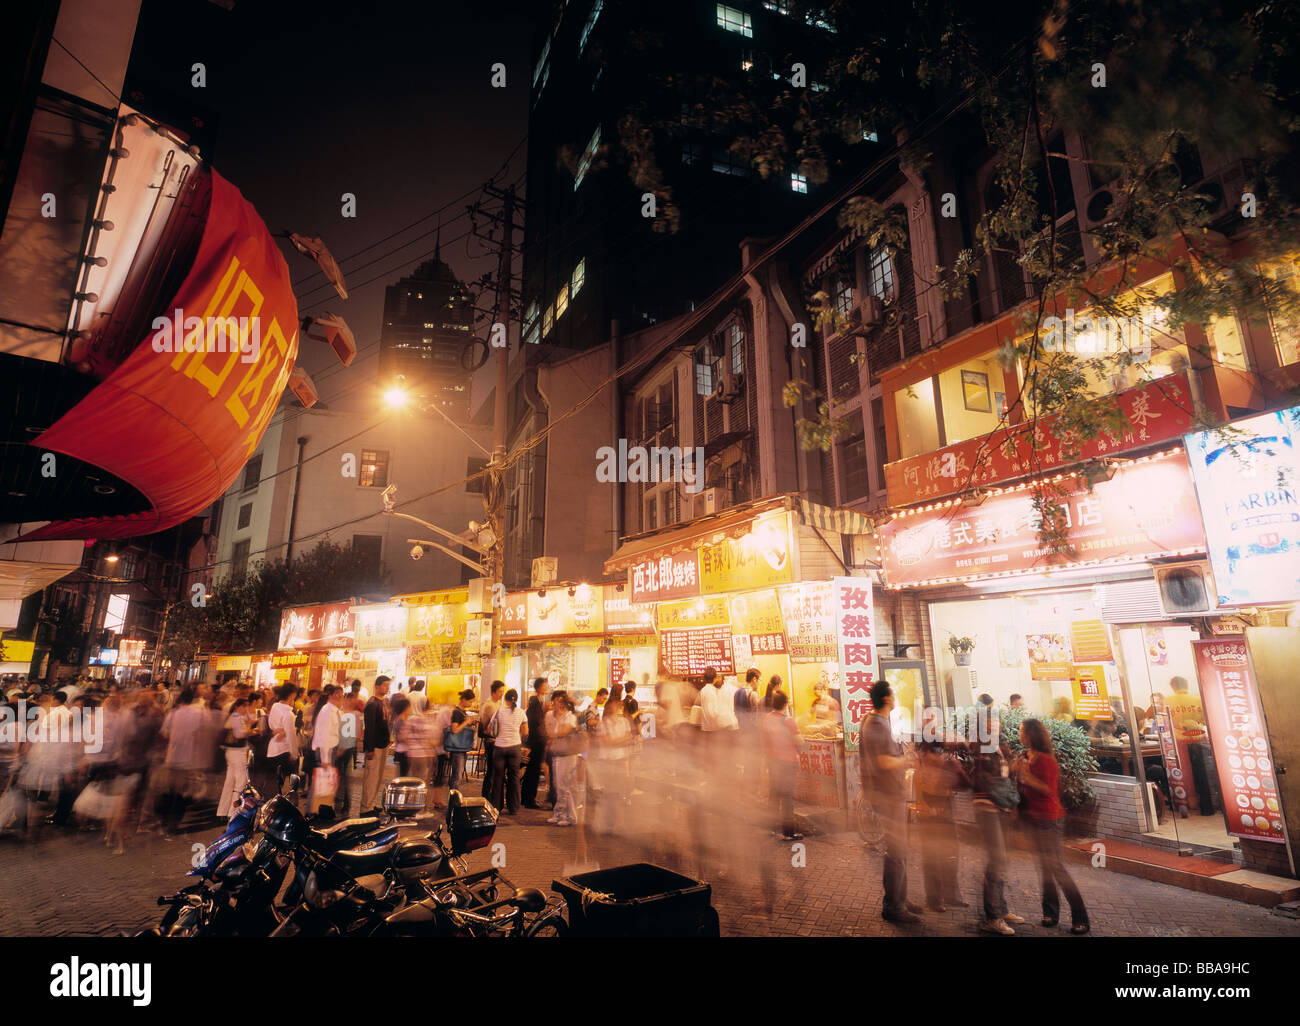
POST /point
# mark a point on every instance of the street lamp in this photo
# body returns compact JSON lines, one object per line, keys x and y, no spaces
{"x":396,"y":397}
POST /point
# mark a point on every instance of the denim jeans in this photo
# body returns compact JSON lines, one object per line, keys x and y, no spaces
{"x":1048,"y":835}
{"x":995,"y":860}
{"x":893,"y":818}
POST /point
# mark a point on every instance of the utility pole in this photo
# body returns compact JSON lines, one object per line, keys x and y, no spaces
{"x":494,"y":494}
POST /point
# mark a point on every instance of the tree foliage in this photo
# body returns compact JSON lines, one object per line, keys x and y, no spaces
{"x":242,"y":613}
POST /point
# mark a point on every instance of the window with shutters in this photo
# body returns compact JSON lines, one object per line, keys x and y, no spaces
{"x":245,"y":516}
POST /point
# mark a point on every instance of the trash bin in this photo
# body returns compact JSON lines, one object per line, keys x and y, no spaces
{"x":639,"y":900}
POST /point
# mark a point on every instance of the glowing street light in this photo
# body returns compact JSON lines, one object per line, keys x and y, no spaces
{"x":396,"y":397}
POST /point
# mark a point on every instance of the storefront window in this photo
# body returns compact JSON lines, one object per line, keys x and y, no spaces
{"x":1226,"y":346}
{"x":918,"y":419}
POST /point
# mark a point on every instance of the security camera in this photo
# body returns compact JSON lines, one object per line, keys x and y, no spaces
{"x":417,"y":551}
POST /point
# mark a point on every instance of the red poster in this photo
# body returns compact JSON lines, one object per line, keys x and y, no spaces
{"x":1156,"y":411}
{"x":1251,"y":804}
{"x":179,"y":426}
{"x":1147,"y":509}
{"x":855,"y":624}
{"x":317,"y":627}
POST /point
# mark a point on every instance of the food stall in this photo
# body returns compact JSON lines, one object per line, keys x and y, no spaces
{"x":435,"y":634}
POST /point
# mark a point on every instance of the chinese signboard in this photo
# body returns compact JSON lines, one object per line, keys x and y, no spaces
{"x":690,"y":653}
{"x":279,"y":660}
{"x":1248,"y":479}
{"x":757,"y":617}
{"x":712,"y":612}
{"x":1247,"y":778}
{"x":512,"y":617}
{"x":435,"y":631}
{"x":857,"y":652}
{"x":379,"y":626}
{"x":1144,"y":511}
{"x":1157,"y":411}
{"x":759,"y":559}
{"x":809,"y":612}
{"x":664,"y":577}
{"x":131,"y":653}
{"x":317,"y":627}
{"x":557,"y":612}
{"x":622,"y":614}
{"x":1090,"y":699}
{"x":818,"y":779}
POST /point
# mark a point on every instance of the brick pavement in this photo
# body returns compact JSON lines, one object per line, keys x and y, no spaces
{"x":68,"y":883}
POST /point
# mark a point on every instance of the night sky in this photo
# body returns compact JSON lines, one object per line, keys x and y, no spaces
{"x":389,"y":101}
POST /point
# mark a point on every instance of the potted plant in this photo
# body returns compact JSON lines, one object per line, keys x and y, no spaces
{"x":961,"y":649}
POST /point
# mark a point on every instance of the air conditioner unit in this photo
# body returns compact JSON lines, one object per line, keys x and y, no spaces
{"x":712,"y":500}
{"x":965,"y":686}
{"x":1100,"y":206}
{"x":1186,"y":589}
{"x":867,"y":314}
{"x":729,"y":386}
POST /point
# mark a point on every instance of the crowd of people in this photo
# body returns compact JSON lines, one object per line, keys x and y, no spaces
{"x":999,"y":785}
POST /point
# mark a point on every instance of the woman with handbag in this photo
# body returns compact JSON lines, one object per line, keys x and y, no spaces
{"x":567,"y":743}
{"x":1040,"y":782}
{"x":993,"y":796}
{"x":234,"y":743}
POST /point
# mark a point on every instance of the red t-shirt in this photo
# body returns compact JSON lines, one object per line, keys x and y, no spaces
{"x":1037,"y":805}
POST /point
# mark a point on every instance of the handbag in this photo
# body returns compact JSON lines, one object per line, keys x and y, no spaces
{"x":1003,"y":793}
{"x":324,"y":780}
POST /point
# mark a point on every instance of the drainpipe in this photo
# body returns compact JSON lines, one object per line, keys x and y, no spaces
{"x":616,"y":432}
{"x":293,"y":508}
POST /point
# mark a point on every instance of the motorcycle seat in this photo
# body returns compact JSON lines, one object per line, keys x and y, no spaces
{"x":345,"y":828}
{"x":357,"y":862}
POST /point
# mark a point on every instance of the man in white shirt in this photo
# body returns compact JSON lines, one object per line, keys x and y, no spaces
{"x":717,"y":704}
{"x":419,"y":699}
{"x":282,"y":750}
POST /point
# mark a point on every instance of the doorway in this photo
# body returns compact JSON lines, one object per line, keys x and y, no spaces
{"x":1172,"y":752}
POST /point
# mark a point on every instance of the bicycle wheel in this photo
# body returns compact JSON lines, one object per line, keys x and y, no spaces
{"x":548,"y":926}
{"x":869,"y":828}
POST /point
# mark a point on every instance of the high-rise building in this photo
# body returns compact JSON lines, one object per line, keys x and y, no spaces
{"x":428,"y":319}
{"x":593,"y":251}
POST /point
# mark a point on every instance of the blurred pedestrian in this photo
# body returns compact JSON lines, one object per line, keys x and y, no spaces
{"x":1039,"y":775}
{"x":938,"y":775}
{"x":511,"y":727}
{"x":782,"y":743}
{"x":487,"y":723}
{"x":536,"y":716}
{"x":235,"y":744}
{"x":993,"y":796}
{"x":375,"y":739}
{"x":458,"y":739}
{"x":282,"y":749}
{"x":615,"y":739}
{"x":568,"y":742}
{"x":884,"y":770}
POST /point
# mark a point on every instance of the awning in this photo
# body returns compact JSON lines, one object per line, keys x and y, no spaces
{"x":735,"y":520}
{"x":840,"y":521}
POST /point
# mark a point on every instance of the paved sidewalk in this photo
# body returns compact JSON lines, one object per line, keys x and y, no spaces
{"x":68,"y":883}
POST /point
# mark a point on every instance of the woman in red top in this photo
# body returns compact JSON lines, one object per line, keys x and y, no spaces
{"x":1041,"y":809}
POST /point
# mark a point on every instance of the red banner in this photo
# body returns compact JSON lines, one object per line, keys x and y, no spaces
{"x":179,"y":418}
{"x":1156,"y":412}
{"x":317,"y":627}
{"x":1148,"y":509}
{"x":1247,"y":780}
{"x":664,"y":577}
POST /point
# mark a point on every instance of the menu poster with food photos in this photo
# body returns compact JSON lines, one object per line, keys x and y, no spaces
{"x":1050,"y":656}
{"x":1247,"y":780}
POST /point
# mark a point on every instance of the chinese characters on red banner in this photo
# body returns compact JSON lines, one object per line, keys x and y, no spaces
{"x":857,"y":652}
